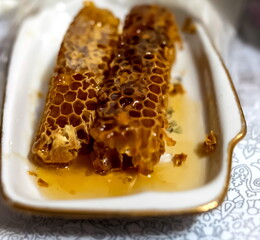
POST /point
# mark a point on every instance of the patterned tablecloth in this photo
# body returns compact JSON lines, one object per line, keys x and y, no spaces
{"x":238,"y":218}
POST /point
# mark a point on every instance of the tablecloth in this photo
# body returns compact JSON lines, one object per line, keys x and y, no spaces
{"x":238,"y":218}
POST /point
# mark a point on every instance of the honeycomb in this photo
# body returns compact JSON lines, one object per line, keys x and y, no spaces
{"x":81,"y":65}
{"x":129,"y":130}
{"x":210,"y":142}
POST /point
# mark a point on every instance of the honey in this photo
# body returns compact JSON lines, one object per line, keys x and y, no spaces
{"x":78,"y":180}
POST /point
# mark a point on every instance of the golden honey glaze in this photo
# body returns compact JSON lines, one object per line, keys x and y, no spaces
{"x":78,"y":181}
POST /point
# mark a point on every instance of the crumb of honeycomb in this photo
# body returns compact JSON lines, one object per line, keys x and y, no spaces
{"x":169,"y":141}
{"x":176,"y":88}
{"x":210,"y":143}
{"x":42,"y":183}
{"x":72,"y":98}
{"x":33,"y":174}
{"x":189,"y":26}
{"x":131,"y":119}
{"x":179,"y":159}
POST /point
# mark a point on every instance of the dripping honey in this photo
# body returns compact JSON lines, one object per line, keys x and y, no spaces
{"x":78,"y":181}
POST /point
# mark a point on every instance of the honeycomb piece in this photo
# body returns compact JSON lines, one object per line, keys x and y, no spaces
{"x":210,"y":142}
{"x":179,"y":159}
{"x":131,"y":118}
{"x":72,"y":98}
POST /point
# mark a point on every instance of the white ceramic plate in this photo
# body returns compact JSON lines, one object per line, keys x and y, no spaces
{"x":206,"y":80}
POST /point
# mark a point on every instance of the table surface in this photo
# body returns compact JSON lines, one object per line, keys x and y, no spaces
{"x":238,"y":218}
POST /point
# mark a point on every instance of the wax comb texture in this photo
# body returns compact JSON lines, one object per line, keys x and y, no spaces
{"x":131,"y":119}
{"x":72,"y":98}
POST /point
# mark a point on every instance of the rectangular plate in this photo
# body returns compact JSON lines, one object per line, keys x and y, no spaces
{"x":204,"y":77}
